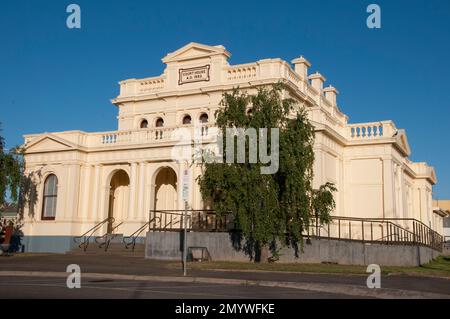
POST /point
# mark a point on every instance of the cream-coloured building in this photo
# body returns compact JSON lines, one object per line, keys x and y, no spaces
{"x":442,"y":209}
{"x":82,"y":178}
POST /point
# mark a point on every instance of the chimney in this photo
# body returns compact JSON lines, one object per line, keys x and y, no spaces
{"x":317,"y":81}
{"x":301,"y":66}
{"x":331,"y":94}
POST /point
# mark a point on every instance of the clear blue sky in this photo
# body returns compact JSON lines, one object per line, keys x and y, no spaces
{"x":55,"y":79}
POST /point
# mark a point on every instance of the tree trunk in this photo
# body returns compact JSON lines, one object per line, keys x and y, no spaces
{"x":262,"y":254}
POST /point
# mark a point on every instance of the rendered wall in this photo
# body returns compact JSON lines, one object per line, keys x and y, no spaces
{"x":168,"y":246}
{"x":366,"y":188}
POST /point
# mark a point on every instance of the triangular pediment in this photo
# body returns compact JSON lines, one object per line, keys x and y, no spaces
{"x":194,"y":51}
{"x":48,"y":143}
{"x":402,"y":142}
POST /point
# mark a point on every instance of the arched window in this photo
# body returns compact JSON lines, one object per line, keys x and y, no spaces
{"x":144,"y":124}
{"x":204,"y":118}
{"x":250,"y":112}
{"x":49,"y":198}
{"x":187,"y":120}
{"x":159,"y":122}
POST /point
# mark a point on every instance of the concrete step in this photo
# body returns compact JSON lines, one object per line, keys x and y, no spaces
{"x":114,"y":238}
{"x":113,"y":248}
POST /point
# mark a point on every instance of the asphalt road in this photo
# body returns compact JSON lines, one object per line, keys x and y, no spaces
{"x":332,"y":285}
{"x":54,"y":288}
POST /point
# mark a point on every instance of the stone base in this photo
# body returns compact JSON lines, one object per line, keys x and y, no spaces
{"x":168,"y":246}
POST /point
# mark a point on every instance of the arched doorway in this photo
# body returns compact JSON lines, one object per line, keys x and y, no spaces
{"x":166,"y":190}
{"x":118,"y":197}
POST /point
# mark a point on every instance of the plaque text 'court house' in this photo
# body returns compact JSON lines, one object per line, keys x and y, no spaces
{"x":191,"y":75}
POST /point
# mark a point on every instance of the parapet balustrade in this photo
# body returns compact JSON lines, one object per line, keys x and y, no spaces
{"x":163,"y":134}
{"x":134,"y":87}
{"x":368,"y":131}
{"x":150,"y":85}
{"x":233,"y":73}
{"x":242,"y":72}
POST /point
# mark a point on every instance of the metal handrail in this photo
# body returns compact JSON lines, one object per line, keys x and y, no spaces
{"x":136,"y":234}
{"x":389,"y":236}
{"x":406,"y":231}
{"x":87,"y":235}
{"x":107,"y":238}
{"x":107,"y":233}
{"x":418,"y":234}
{"x":198,"y":220}
{"x":167,"y":224}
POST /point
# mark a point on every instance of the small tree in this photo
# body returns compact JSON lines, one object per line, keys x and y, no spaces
{"x":15,"y":187}
{"x":268,"y":208}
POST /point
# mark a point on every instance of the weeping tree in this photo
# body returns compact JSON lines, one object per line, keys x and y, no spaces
{"x":15,"y":187}
{"x":269,"y":209}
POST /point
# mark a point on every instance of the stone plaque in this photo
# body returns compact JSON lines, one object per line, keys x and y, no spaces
{"x":191,"y":75}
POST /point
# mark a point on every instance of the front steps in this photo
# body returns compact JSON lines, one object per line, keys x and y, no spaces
{"x":115,"y":247}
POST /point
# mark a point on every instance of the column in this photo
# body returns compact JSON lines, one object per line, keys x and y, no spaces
{"x":148,"y":192}
{"x":95,"y":194}
{"x":74,"y":189}
{"x":388,"y":188}
{"x":402,"y":187}
{"x":72,"y":185}
{"x":85,"y":197}
{"x":180,"y":186}
{"x":196,"y":195}
{"x":132,"y":204}
{"x":139,"y":215}
{"x":67,"y":191}
{"x":346,"y":188}
{"x":103,"y":200}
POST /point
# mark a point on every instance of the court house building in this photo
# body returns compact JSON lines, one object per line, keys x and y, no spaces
{"x":84,"y":178}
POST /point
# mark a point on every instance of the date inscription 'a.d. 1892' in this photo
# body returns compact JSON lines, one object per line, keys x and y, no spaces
{"x":197,"y":74}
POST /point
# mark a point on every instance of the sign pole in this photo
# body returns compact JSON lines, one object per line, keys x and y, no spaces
{"x":185,"y":240}
{"x":185,"y":190}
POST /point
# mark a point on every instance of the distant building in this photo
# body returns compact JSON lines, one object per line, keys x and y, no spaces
{"x":84,"y":178}
{"x":8,"y":211}
{"x":442,"y":207}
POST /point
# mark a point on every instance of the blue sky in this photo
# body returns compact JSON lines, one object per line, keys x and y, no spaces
{"x":52,"y":77}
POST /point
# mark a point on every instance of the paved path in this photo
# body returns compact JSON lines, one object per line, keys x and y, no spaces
{"x":151,"y":272}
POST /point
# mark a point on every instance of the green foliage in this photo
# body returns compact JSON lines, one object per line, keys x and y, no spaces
{"x":11,"y":173}
{"x":268,"y":208}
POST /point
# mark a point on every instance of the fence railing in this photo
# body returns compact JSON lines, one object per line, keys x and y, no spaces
{"x":405,"y":231}
{"x":197,"y":220}
{"x":388,"y":231}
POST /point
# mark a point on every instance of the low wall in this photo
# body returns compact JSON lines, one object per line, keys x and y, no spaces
{"x":48,"y":244}
{"x":57,"y":244}
{"x":168,"y":246}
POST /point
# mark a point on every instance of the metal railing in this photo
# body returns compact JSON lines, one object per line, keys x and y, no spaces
{"x":388,"y":231}
{"x":134,"y":236}
{"x":405,"y":231}
{"x":197,"y":220}
{"x":87,"y":235}
{"x":107,"y":237}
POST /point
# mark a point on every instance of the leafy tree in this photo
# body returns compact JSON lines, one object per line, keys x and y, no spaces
{"x":268,"y":209}
{"x":11,"y":174}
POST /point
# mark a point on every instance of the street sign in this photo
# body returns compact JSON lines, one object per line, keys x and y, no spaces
{"x":186,"y":181}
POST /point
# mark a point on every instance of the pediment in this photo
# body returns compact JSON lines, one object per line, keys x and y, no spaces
{"x":402,"y":142}
{"x":194,"y":51}
{"x":48,"y":143}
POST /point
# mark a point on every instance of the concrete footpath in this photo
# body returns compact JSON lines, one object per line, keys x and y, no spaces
{"x":110,"y":267}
